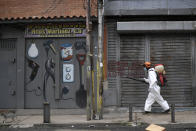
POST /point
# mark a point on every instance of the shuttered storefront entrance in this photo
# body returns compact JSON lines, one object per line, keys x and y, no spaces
{"x":172,"y":50}
{"x":132,"y":51}
{"x":175,"y":53}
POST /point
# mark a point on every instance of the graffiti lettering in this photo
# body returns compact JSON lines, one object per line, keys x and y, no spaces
{"x":125,"y":69}
{"x":56,"y":30}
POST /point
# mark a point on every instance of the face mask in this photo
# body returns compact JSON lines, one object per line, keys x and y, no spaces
{"x":145,"y":69}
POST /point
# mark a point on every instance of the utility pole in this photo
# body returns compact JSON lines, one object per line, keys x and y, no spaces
{"x":88,"y":59}
{"x":100,"y":61}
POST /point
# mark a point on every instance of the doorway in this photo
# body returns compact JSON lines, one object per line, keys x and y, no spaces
{"x":8,"y":73}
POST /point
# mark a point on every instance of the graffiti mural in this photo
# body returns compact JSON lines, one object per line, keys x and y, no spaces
{"x":49,"y":66}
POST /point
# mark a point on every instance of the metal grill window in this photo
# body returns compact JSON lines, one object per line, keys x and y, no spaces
{"x":7,"y":44}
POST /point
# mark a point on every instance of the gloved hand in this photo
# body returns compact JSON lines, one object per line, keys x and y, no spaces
{"x":146,"y":80}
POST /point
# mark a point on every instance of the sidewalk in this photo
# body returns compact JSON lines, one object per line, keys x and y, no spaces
{"x":31,"y":117}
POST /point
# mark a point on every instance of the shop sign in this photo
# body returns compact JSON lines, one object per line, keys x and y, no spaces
{"x":56,"y":30}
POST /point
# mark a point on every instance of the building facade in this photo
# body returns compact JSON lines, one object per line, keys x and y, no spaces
{"x":160,"y":31}
{"x":42,"y":52}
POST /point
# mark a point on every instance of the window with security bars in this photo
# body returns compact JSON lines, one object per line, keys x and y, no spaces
{"x":7,"y":44}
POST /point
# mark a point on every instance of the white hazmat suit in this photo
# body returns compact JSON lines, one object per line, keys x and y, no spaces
{"x":154,"y":92}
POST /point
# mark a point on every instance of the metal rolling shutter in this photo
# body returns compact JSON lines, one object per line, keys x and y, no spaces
{"x":175,"y":53}
{"x":132,"y":50}
{"x":112,"y":54}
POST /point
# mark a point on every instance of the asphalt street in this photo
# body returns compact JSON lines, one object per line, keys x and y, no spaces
{"x":96,"y":127}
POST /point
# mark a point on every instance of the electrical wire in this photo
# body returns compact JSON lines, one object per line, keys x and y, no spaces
{"x":52,"y":6}
{"x":94,"y":3}
{"x":84,"y":4}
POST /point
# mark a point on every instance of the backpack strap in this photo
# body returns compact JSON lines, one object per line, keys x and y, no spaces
{"x":161,"y":80}
{"x":158,"y":79}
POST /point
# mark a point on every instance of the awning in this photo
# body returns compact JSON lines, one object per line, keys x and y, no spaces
{"x":153,"y":26}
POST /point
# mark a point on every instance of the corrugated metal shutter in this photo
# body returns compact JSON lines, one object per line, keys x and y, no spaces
{"x":132,"y":51}
{"x":172,"y":50}
{"x":112,"y":54}
{"x":175,"y":52}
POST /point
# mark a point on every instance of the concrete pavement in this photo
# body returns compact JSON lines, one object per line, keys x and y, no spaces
{"x":31,"y":117}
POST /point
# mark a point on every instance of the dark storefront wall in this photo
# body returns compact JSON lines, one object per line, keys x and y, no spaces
{"x":33,"y":90}
{"x":175,"y":50}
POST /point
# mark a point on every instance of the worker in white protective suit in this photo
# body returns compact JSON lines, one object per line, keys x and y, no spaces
{"x":154,"y":90}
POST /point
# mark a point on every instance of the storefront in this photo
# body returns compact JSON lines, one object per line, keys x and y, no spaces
{"x":160,"y":31}
{"x":41,"y":61}
{"x":132,"y":43}
{"x":42,"y":52}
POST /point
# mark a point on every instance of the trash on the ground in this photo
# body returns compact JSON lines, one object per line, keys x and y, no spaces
{"x":90,"y":126}
{"x":153,"y":127}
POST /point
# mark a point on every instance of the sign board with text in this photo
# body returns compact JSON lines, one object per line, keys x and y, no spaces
{"x":56,"y":30}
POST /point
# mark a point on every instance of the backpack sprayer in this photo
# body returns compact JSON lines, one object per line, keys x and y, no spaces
{"x":160,"y":72}
{"x":137,"y":79}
